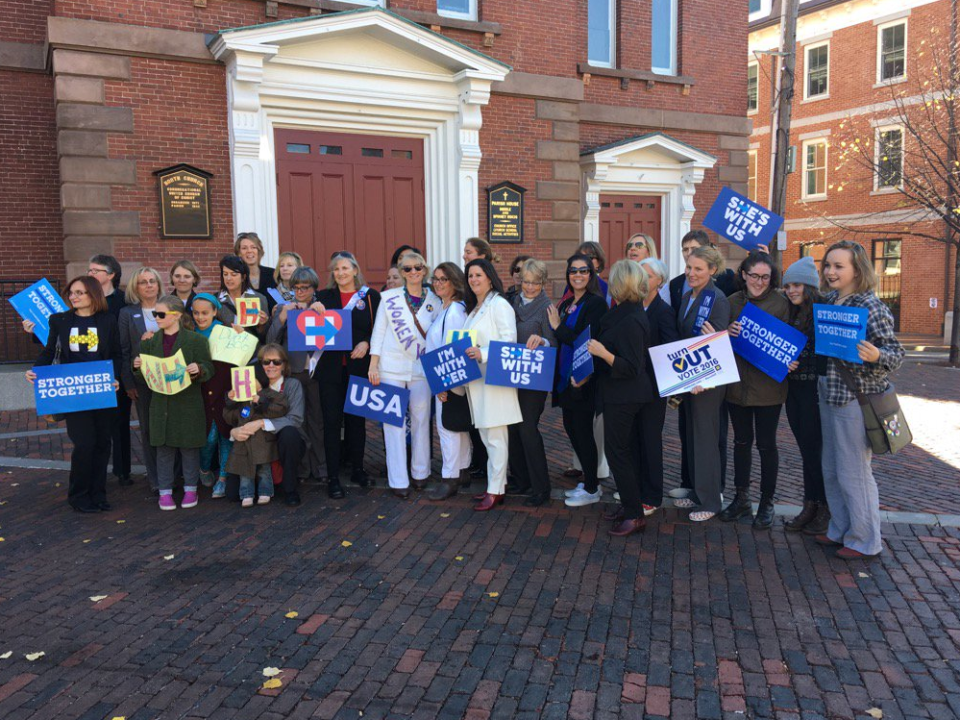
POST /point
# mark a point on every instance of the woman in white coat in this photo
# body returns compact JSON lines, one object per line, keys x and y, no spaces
{"x":399,"y":339}
{"x":492,"y":407}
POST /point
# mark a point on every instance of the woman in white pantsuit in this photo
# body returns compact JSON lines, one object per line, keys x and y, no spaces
{"x":399,"y":339}
{"x":492,"y":407}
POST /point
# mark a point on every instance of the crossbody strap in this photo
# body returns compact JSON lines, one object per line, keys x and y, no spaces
{"x":851,"y":384}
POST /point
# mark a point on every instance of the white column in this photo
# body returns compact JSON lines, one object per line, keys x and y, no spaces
{"x":474,"y":94}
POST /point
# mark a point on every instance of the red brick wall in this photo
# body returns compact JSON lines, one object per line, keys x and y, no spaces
{"x":25,"y":21}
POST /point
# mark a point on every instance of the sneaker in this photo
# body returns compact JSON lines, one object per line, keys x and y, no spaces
{"x":167,"y":503}
{"x":207,"y":478}
{"x":247,"y":502}
{"x":189,"y":500}
{"x":649,"y":509}
{"x":616,"y":496}
{"x":678,"y":493}
{"x":219,"y":489}
{"x":584,"y":498}
{"x":263,"y":500}
{"x":576,"y":491}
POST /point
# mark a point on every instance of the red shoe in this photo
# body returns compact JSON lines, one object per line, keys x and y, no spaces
{"x":480,"y":496}
{"x":488,"y":503}
{"x":628,"y":527}
{"x":824,"y":540}
{"x":846,"y":553}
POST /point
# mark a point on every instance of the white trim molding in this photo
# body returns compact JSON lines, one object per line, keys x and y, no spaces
{"x":366,"y":71}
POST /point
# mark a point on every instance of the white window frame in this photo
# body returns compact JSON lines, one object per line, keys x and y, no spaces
{"x":752,"y":163}
{"x":672,"y":68}
{"x":763,"y":12}
{"x":612,"y":29}
{"x":906,"y":35}
{"x":803,"y":164}
{"x":806,"y":70}
{"x":756,"y":65}
{"x":471,"y":13}
{"x":877,"y":188}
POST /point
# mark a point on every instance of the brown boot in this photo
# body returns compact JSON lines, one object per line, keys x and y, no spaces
{"x":820,"y":522}
{"x":441,"y":490}
{"x":799,"y":522}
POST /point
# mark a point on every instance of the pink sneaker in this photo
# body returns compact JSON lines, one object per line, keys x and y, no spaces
{"x":189,"y":500}
{"x":167,"y":503}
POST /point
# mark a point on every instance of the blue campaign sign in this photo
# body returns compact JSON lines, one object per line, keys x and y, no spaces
{"x":448,"y":366}
{"x":36,"y":304}
{"x":838,"y":329}
{"x":73,"y":387}
{"x":767,"y":343}
{"x":383,"y":403}
{"x":742,"y":221}
{"x":513,"y":365}
{"x":582,"y":366}
{"x":309,"y":330}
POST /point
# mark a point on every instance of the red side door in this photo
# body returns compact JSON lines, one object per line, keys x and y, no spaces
{"x":624,"y":215}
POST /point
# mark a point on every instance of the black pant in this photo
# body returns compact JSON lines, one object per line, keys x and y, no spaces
{"x":686,"y":451}
{"x":765,"y":419}
{"x":623,"y":442}
{"x":290,"y":447}
{"x":578,"y":422}
{"x":90,"y":432}
{"x":120,"y":434}
{"x":528,"y":459}
{"x":651,"y":417}
{"x":333,"y":394}
{"x":803,"y":414}
{"x":478,"y":459}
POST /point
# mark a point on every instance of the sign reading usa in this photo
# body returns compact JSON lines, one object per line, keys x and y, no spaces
{"x":449,"y":367}
{"x":742,"y":221}
{"x":72,"y":387}
{"x":513,"y":365}
{"x":309,"y":330}
{"x":705,"y":360}
{"x":383,"y":403}
{"x":767,"y":343}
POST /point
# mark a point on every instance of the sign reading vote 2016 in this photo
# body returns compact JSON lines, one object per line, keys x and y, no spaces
{"x":449,"y":367}
{"x":73,"y":387}
{"x":513,"y":365}
{"x":309,"y":330}
{"x":742,"y":221}
{"x":767,"y":343}
{"x":383,"y":403}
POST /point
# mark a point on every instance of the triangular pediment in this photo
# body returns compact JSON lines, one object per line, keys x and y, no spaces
{"x":645,"y":148}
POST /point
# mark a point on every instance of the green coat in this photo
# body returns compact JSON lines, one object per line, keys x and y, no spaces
{"x":756,"y":388}
{"x":179,"y":420}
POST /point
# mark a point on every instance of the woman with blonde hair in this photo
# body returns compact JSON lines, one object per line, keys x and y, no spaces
{"x":249,"y":248}
{"x":478,"y":248}
{"x":287,"y":263}
{"x":641,"y":246}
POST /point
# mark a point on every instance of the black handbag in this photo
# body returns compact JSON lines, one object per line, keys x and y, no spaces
{"x":456,"y":413}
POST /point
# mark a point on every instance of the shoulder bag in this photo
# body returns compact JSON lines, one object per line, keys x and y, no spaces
{"x":887,"y":429}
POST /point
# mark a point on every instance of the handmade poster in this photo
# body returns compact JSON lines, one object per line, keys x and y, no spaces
{"x":232,"y":347}
{"x":582,"y":366}
{"x":36,"y":304}
{"x":742,"y":221}
{"x":383,"y":403}
{"x":309,"y":330}
{"x":72,"y":387}
{"x":837,"y":330}
{"x":449,"y":367}
{"x":454,"y":335}
{"x":767,"y":343}
{"x":167,"y":376}
{"x":705,"y":360}
{"x":248,"y":311}
{"x":513,"y":365}
{"x":243,"y":382}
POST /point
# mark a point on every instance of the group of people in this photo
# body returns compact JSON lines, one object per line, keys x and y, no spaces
{"x":294,"y":429}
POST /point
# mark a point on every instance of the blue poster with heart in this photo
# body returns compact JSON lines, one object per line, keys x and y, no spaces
{"x":309,"y":330}
{"x":514,"y":365}
{"x":449,"y":367}
{"x":742,"y":221}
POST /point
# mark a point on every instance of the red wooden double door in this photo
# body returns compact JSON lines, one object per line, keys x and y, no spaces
{"x":339,"y":191}
{"x":624,"y":215}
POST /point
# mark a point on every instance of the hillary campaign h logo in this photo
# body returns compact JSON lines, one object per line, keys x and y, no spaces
{"x":309,"y":330}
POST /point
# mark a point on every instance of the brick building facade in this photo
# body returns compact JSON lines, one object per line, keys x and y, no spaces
{"x":854,"y":58}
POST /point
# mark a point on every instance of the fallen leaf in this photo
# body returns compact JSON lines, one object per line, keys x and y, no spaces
{"x":862,"y":574}
{"x":272,"y":683}
{"x":271,"y":672}
{"x":381,"y":517}
{"x":120,"y":522}
{"x":875,"y":713}
{"x":2,"y":539}
{"x":98,"y":598}
{"x":444,"y":514}
{"x":120,"y":717}
{"x":346,"y":543}
{"x":56,"y":484}
{"x":14,"y":484}
{"x":459,"y":557}
{"x":493,"y":594}
{"x":34,"y":656}
{"x":86,"y":541}
{"x":292,"y":614}
{"x":7,"y":654}
{"x":168,"y":557}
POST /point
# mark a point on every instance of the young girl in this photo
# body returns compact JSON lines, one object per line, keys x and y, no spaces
{"x":177,"y":422}
{"x":286,"y":264}
{"x":849,"y":279}
{"x":253,"y":453}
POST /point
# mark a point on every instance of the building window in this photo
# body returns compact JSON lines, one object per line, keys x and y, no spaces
{"x":758,"y":9}
{"x":886,"y":257}
{"x":464,"y":9}
{"x":601,"y":29}
{"x":752,"y":175}
{"x":753,"y":87}
{"x":889,"y":157}
{"x":663,"y":48}
{"x":892,"y":52}
{"x":816,"y":250}
{"x":814,"y":169}
{"x":817,"y":71}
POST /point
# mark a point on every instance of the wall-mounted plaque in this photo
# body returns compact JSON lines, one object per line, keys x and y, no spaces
{"x":184,"y":202}
{"x":505,"y":212}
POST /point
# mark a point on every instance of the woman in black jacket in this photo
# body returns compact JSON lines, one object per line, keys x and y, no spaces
{"x":620,"y":350}
{"x":86,"y":333}
{"x":581,"y":310}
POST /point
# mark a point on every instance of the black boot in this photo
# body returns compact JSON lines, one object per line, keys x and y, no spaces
{"x":442,"y":490}
{"x":465,"y":479}
{"x":764,"y":518}
{"x":819,"y":524}
{"x":799,"y":522}
{"x":335,"y":489}
{"x":739,"y":507}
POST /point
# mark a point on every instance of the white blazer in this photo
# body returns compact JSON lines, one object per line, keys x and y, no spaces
{"x":492,"y":405}
{"x":396,"y":339}
{"x":452,"y":318}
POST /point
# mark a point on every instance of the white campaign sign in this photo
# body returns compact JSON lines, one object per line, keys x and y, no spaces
{"x":707,"y":361}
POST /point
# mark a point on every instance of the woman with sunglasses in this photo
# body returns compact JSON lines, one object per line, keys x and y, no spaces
{"x":235,"y":284}
{"x":399,"y":339}
{"x":640,"y":247}
{"x":85,"y":333}
{"x":516,"y":275}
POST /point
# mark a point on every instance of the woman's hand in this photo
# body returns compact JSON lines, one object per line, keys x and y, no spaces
{"x":474,"y":352}
{"x":263,"y":318}
{"x":146,"y":336}
{"x":582,"y":382}
{"x":535,"y":341}
{"x":553,"y":316}
{"x":597,"y":348}
{"x":360,"y":351}
{"x":697,"y":390}
{"x":373,"y":374}
{"x":137,"y":362}
{"x":31,"y":376}
{"x":867,"y":351}
{"x":763,"y":248}
{"x":28,"y":326}
{"x":442,"y":397}
{"x":283,"y":313}
{"x":793,"y":366}
{"x":116,"y":386}
{"x":734,"y":329}
{"x":238,"y":329}
{"x":193,"y":369}
{"x":707,"y":329}
{"x":318,"y":307}
{"x":133,"y":394}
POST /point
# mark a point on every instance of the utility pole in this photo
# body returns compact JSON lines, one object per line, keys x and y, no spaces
{"x":953,"y":184}
{"x":782,"y":110}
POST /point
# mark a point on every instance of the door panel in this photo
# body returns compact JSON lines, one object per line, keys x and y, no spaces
{"x":624,"y":215}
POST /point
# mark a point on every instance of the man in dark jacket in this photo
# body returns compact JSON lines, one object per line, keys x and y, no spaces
{"x":725,"y":281}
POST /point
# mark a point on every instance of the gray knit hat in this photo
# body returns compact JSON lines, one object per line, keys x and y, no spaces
{"x":803,"y":271}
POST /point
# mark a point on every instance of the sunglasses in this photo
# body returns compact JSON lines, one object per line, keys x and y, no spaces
{"x":412,"y":268}
{"x":578,"y":271}
{"x":162,"y":314}
{"x":272,"y":361}
{"x":631,"y":245}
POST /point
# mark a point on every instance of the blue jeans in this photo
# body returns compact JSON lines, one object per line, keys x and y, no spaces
{"x":216,"y":443}
{"x":264,"y":483}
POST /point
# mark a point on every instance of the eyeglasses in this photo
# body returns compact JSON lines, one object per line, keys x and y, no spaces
{"x":440,"y":280}
{"x":412,"y":268}
{"x":578,"y":271}
{"x":94,"y":271}
{"x":272,"y":361}
{"x":303,"y":288}
{"x":147,"y":281}
{"x":632,"y":245}
{"x":758,"y":278}
{"x":78,"y":293}
{"x":162,"y":314}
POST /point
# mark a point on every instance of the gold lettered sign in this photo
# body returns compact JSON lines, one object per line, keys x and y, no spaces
{"x":505,"y":212}
{"x":184,"y":202}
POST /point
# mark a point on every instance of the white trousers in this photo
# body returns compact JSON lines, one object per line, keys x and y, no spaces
{"x":395,"y":438}
{"x":497,"y":442}
{"x":603,"y":469}
{"x":454,"y":448}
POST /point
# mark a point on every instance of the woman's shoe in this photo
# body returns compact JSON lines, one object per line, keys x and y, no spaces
{"x":419,"y":484}
{"x":263,"y":500}
{"x":684,"y":503}
{"x":480,"y":496}
{"x":826,"y":542}
{"x":537,"y":499}
{"x":104,"y":506}
{"x":678,"y":493}
{"x":615,"y":515}
{"x":649,"y":510}
{"x":628,"y":526}
{"x":402,"y":493}
{"x":335,"y":489}
{"x":820,"y":523}
{"x":246,"y":502}
{"x":219,"y":488}
{"x":702,"y":516}
{"x":190,"y":499}
{"x":739,"y":507}
{"x":846,"y":553}
{"x":764,"y":517}
{"x":442,"y":490}
{"x":489,"y":502}
{"x":803,"y":518}
{"x":85,"y":508}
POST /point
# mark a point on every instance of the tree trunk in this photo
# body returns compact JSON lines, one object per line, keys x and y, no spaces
{"x":955,"y":333}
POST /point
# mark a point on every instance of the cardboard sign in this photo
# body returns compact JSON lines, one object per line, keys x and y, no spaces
{"x":72,"y":387}
{"x":838,"y":329}
{"x":454,"y":335}
{"x":449,"y":367}
{"x":36,"y":304}
{"x":309,"y":330}
{"x":248,"y":311}
{"x":706,"y":360}
{"x":243,"y":382}
{"x":742,"y":221}
{"x":383,"y":403}
{"x":768,"y":344}
{"x":167,"y":376}
{"x":513,"y":365}
{"x":582,"y":366}
{"x":231,"y":347}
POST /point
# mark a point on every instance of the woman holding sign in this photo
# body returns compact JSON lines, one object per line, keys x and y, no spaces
{"x":756,"y":401}
{"x":398,"y":340}
{"x":85,"y":333}
{"x":848,"y":275}
{"x":235,"y":291}
{"x":492,"y":407}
